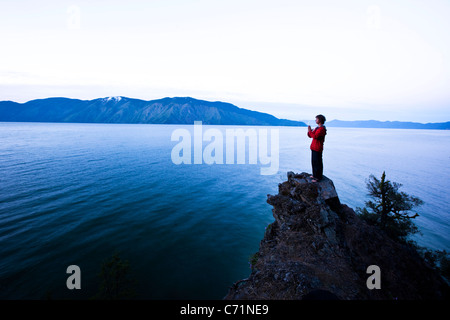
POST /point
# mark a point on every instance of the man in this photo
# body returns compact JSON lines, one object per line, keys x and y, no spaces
{"x":318,"y":136}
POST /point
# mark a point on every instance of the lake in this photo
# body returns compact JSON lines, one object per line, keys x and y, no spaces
{"x":78,"y":193}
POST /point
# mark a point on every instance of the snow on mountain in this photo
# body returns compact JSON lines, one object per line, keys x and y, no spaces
{"x":116,"y":99}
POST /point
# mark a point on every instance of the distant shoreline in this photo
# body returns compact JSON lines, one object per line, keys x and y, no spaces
{"x":376,"y":124}
{"x":222,"y":125}
{"x":176,"y":111}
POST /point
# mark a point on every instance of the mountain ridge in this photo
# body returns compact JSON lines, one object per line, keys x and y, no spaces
{"x":168,"y":110}
{"x":119,"y":109}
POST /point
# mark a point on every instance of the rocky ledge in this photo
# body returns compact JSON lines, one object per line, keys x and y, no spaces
{"x":318,"y":248}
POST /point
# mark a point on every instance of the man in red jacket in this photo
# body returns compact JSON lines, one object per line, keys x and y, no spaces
{"x":318,"y":136}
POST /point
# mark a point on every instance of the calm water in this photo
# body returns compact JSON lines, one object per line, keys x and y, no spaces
{"x":77,"y":193}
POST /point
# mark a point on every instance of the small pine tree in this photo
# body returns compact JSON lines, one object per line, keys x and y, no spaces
{"x":116,"y":283}
{"x":390,"y":208}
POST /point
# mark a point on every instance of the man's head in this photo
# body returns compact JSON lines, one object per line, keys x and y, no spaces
{"x":320,"y":119}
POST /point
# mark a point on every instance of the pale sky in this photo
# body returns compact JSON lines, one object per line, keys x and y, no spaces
{"x":349,"y":60}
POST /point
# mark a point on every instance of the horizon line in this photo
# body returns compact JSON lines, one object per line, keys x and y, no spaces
{"x":190,"y":97}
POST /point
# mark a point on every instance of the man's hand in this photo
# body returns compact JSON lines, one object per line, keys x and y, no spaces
{"x":309,"y":128}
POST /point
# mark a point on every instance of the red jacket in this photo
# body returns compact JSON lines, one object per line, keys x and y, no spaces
{"x":318,"y":135}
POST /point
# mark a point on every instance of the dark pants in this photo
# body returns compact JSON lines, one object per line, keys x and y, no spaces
{"x":317,"y":164}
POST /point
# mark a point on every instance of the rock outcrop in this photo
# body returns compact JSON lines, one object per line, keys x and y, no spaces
{"x":318,"y":248}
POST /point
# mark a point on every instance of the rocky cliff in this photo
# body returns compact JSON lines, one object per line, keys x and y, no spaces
{"x":318,"y":248}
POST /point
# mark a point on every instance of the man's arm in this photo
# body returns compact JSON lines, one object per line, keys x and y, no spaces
{"x":319,"y":132}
